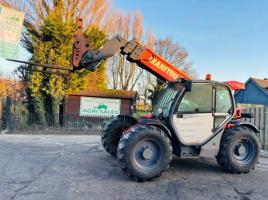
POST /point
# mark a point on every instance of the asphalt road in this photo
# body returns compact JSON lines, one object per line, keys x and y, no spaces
{"x":77,"y":168}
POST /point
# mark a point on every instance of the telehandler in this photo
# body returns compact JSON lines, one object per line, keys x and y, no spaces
{"x":191,"y":118}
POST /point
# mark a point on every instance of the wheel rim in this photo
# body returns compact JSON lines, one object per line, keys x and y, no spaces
{"x":147,"y":154}
{"x":244,"y":151}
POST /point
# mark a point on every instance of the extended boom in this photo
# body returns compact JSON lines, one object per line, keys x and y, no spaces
{"x":84,"y":57}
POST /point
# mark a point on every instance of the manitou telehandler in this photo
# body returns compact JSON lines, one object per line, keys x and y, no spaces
{"x":191,"y":118}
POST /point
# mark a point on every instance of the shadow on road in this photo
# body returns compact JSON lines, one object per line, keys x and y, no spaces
{"x":196,"y":164}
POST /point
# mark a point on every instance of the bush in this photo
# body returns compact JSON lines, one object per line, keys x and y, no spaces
{"x":18,"y":115}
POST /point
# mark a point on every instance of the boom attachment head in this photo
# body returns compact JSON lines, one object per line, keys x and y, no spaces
{"x":80,"y":46}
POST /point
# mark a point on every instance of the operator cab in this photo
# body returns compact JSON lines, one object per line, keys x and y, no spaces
{"x":196,"y":114}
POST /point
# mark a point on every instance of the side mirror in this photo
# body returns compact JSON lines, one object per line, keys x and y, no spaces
{"x":247,"y":115}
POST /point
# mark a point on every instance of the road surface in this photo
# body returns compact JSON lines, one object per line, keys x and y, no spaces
{"x":54,"y":167}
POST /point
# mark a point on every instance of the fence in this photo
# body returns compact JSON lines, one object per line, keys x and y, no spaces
{"x":21,"y":123}
{"x":260,"y":120}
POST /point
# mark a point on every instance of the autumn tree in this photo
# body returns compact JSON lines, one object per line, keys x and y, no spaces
{"x":175,"y":54}
{"x":123,"y":74}
{"x":144,"y":88}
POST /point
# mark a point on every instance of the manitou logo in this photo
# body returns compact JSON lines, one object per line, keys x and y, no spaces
{"x":164,"y":68}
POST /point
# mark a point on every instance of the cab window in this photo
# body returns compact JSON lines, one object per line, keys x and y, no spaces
{"x":223,"y":100}
{"x":198,"y":100}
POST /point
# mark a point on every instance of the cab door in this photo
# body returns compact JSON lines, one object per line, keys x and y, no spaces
{"x":224,"y":106}
{"x":193,"y":120}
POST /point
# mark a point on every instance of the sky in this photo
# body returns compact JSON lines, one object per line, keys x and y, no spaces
{"x":227,"y":38}
{"x":7,"y":67}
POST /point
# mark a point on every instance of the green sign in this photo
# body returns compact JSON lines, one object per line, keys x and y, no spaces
{"x":11,"y":22}
{"x":91,"y":106}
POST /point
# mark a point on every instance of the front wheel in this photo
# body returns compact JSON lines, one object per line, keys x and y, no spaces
{"x":239,"y":150}
{"x":144,"y":152}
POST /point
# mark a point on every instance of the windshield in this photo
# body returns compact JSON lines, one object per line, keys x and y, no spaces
{"x":165,"y":100}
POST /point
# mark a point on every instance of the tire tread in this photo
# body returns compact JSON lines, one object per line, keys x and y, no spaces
{"x":124,"y":143}
{"x":224,"y":159}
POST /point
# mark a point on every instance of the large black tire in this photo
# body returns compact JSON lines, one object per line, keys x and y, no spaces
{"x":113,"y":131}
{"x":144,"y":152}
{"x":239,"y":150}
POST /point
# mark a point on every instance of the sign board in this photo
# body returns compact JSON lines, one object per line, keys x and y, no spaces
{"x":102,"y":107}
{"x":11,"y":22}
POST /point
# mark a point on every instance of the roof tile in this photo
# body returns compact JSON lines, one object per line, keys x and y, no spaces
{"x":122,"y":94}
{"x":262,"y":82}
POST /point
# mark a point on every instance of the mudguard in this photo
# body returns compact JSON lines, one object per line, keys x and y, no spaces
{"x":241,"y":123}
{"x":130,"y":118}
{"x":157,"y":123}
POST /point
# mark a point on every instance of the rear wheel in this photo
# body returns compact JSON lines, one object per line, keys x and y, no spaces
{"x":239,"y":150}
{"x":113,"y":131}
{"x":144,"y":152}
